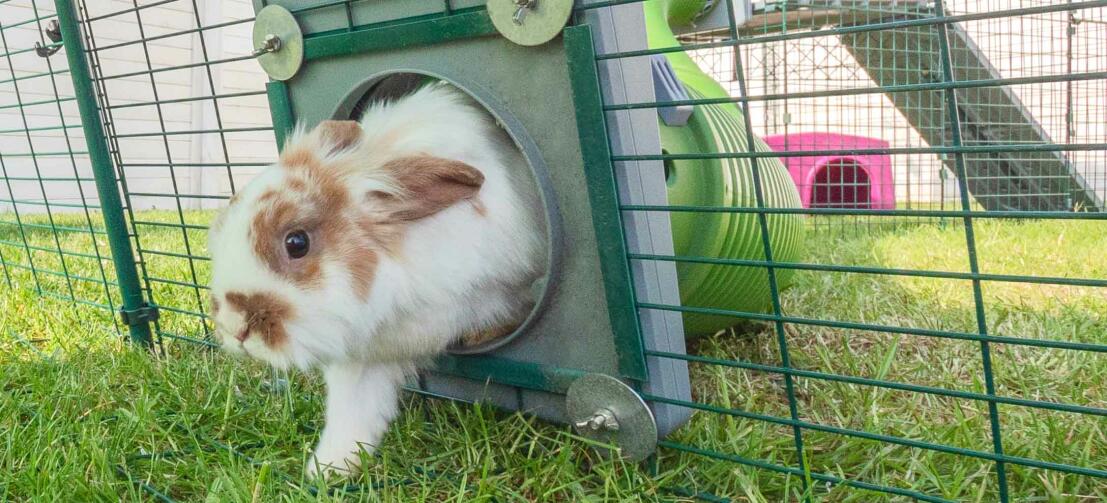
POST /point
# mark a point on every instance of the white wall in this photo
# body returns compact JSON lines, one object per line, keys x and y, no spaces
{"x":181,"y":49}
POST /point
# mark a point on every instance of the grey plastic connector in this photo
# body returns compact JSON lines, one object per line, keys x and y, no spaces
{"x":667,"y":87}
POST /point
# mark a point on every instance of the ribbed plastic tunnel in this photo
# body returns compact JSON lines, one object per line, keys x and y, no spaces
{"x":717,"y":129}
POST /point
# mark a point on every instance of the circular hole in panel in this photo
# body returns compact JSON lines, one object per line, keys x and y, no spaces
{"x":392,"y":85}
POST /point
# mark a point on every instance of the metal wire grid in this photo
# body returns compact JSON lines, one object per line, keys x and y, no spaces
{"x":184,"y":133}
{"x":52,"y":237}
{"x":775,"y":37}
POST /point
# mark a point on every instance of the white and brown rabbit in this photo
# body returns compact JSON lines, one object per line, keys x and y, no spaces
{"x":371,"y":246}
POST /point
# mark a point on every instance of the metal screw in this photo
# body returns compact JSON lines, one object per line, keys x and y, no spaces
{"x":602,"y":419}
{"x":521,"y":8}
{"x":53,"y":32}
{"x":272,"y":43}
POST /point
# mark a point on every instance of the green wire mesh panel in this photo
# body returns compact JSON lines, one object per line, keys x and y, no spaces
{"x":947,"y":347}
{"x":52,"y":235}
{"x":185,"y":110}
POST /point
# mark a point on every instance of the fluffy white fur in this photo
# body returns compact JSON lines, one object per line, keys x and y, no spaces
{"x":456,"y":271}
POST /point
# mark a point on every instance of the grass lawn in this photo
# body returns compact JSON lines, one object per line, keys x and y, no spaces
{"x":82,"y":414}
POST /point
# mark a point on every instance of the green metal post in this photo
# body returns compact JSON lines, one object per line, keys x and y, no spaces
{"x":600,"y":175}
{"x":946,"y":61}
{"x":281,"y":109}
{"x":136,"y":312}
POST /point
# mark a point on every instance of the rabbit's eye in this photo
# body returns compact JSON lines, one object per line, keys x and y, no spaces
{"x":296,"y":243}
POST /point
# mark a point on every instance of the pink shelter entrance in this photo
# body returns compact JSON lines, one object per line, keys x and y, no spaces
{"x":862,"y":181}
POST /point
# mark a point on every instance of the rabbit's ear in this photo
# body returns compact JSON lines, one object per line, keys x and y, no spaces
{"x":426,"y":186}
{"x":332,"y":136}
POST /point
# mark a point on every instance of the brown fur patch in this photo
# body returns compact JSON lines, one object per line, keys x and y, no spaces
{"x":267,"y":196}
{"x":299,"y":158}
{"x":362,"y":264}
{"x":338,"y":134}
{"x":297,"y":184}
{"x":328,"y":193}
{"x":265,"y":315}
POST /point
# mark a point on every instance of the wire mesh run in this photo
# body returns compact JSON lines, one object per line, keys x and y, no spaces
{"x":930,"y":325}
{"x":52,"y":236}
{"x":185,"y":111}
{"x":938,"y":337}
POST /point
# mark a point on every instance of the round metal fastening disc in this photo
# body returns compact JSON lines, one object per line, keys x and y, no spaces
{"x":530,"y":22}
{"x":284,"y":62}
{"x":635,"y":433}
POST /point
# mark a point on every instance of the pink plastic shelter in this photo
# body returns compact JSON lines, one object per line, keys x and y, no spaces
{"x":838,"y":181}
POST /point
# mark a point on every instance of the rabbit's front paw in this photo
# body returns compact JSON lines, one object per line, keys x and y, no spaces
{"x":333,"y":458}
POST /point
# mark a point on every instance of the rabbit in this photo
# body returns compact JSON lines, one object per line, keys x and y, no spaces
{"x":370,"y":247}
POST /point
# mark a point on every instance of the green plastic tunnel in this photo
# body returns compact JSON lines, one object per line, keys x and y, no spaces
{"x":719,"y":182}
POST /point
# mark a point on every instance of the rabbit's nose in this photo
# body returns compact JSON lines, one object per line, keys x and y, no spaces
{"x":242,"y":334}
